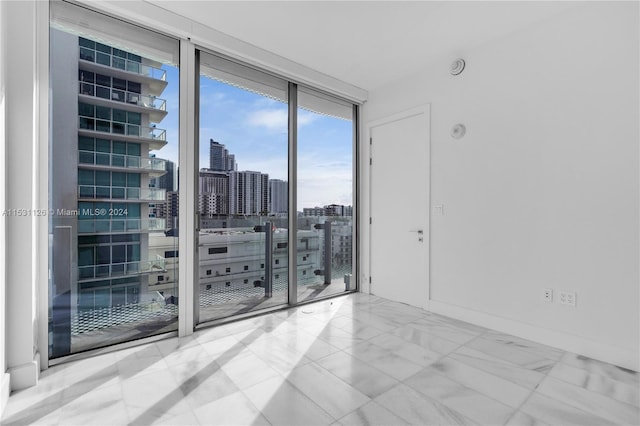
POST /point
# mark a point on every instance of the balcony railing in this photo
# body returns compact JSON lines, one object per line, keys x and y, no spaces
{"x":92,"y":89}
{"x":91,"y":55}
{"x":119,"y":160}
{"x":121,"y":193}
{"x":92,"y":226}
{"x":120,"y":269}
{"x":118,"y":128}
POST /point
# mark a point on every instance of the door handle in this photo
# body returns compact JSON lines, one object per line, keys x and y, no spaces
{"x":419,"y":231}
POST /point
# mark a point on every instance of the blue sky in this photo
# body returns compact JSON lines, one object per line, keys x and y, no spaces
{"x":254,"y":129}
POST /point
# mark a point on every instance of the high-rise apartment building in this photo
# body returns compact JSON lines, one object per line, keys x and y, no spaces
{"x":278,"y":196}
{"x":219,"y":158}
{"x":213,"y":198}
{"x":248,"y":193}
{"x":105,"y":108}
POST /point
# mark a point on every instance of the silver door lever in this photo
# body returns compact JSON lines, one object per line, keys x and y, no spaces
{"x":419,"y":231}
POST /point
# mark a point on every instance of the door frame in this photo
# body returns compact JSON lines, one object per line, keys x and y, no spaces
{"x":366,"y":243}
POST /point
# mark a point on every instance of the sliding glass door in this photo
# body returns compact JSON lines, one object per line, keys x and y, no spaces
{"x":242,"y":190}
{"x":325,"y":135}
{"x":245,"y":240}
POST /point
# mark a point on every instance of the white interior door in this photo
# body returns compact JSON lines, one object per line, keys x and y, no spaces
{"x":399,"y":262}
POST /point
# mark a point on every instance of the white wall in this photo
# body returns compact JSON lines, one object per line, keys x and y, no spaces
{"x":544,"y":189}
{"x":4,"y":378}
{"x":21,"y":261}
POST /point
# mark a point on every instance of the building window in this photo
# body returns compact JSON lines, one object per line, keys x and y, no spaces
{"x":246,"y":267}
{"x":170,"y":254}
{"x":217,"y":250}
{"x":208,"y":271}
{"x":228,"y":270}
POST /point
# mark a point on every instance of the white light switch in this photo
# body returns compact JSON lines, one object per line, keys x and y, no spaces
{"x":438,"y":210}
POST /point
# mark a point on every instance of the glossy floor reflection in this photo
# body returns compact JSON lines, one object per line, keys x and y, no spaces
{"x":353,"y":360}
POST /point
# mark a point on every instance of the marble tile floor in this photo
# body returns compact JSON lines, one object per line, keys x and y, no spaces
{"x":352,"y":360}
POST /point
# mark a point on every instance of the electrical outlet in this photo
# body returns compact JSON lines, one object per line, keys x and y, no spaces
{"x":547,"y":295}
{"x":568,"y":298}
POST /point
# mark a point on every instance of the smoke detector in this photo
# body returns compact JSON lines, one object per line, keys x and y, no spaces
{"x":457,"y":66}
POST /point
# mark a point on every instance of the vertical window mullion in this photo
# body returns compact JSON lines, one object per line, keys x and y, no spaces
{"x":188,"y":171}
{"x":293,"y":193}
{"x":355,"y":241}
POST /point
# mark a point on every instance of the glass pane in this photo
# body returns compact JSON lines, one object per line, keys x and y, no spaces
{"x":104,"y":287}
{"x":103,"y":113}
{"x":103,"y":126}
{"x":119,"y":179}
{"x":103,"y":59}
{"x":103,"y":145}
{"x":103,"y":80}
{"x":325,"y":198}
{"x":133,"y":149}
{"x":102,"y":159}
{"x":243,"y":149}
{"x":86,"y":157}
{"x":86,"y":144}
{"x":85,"y":177}
{"x":119,"y":147}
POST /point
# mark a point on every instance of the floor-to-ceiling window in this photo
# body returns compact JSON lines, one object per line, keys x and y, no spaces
{"x":113,"y":155}
{"x":246,"y":244}
{"x":268,"y":234}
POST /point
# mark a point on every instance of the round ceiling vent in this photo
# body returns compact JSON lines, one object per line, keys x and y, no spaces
{"x":457,"y":66}
{"x":458,"y":131}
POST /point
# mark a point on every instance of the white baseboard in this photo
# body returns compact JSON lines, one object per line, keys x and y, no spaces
{"x":25,"y":375}
{"x":568,"y":342}
{"x":5,"y":391}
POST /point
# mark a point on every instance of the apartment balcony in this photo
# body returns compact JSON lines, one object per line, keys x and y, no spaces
{"x":116,"y":193}
{"x":152,"y":166}
{"x":92,"y":272}
{"x":105,"y":63}
{"x":96,"y":94}
{"x":117,"y":225}
{"x":89,"y":126}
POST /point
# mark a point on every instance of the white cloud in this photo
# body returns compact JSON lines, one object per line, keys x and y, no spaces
{"x":272,"y":119}
{"x":276,"y":120}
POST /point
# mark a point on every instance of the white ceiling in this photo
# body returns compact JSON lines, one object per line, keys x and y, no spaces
{"x":366,"y":43}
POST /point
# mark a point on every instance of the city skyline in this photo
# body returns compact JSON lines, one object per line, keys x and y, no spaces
{"x":254,"y":129}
